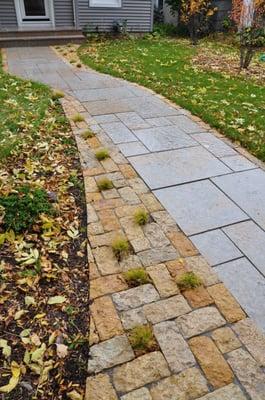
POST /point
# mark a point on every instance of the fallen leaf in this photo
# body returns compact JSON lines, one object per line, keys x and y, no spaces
{"x":56,"y":300}
{"x":62,"y":350}
{"x":15,"y":369}
{"x":5,"y":348}
{"x":74,"y":395}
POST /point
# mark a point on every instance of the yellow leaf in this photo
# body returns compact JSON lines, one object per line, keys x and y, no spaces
{"x":19,"y":314}
{"x":15,"y":369}
{"x":74,"y":395}
{"x":38,"y":354}
{"x":6,"y":349}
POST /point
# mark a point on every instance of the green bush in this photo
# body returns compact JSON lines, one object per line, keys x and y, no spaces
{"x":21,"y":209}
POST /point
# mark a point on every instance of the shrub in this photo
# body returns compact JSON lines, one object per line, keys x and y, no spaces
{"x":120,"y":246}
{"x":136,"y":277}
{"x":142,"y":339}
{"x":21,"y":209}
{"x":104,"y":184}
{"x":102,"y":154}
{"x":189,"y":280}
{"x":78,"y":118}
{"x":87,"y":134}
{"x":141,"y":217}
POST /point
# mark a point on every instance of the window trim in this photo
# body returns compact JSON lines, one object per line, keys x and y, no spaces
{"x":103,"y":4}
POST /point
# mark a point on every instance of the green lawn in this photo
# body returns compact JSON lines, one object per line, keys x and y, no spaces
{"x":24,"y":108}
{"x":233,"y":105}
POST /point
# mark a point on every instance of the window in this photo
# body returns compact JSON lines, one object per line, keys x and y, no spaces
{"x":105,"y":3}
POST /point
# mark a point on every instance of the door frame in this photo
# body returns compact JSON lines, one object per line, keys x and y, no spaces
{"x":23,"y":24}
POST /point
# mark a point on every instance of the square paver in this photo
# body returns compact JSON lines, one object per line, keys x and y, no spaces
{"x":216,"y":247}
{"x":118,"y":132}
{"x":238,"y":163}
{"x":164,"y":138}
{"x":133,"y":149}
{"x":251,"y":241}
{"x":214,"y":145}
{"x":173,"y":167}
{"x":186,"y":124}
{"x":102,"y":107}
{"x":132,"y":120}
{"x":199,"y":206}
{"x":247,"y":189}
{"x":247,"y":285}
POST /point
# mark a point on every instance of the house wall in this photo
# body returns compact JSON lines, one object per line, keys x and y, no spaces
{"x":63,"y":13}
{"x":139,"y":15}
{"x":8,"y":17}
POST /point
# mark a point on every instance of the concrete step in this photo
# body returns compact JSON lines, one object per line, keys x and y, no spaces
{"x":36,"y":33}
{"x":40,"y":40}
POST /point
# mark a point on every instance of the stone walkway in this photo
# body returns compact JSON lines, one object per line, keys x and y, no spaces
{"x":204,"y":346}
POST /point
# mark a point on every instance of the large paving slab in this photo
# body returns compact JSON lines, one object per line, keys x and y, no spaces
{"x":250,"y":239}
{"x":174,"y":167}
{"x":164,"y":138}
{"x":199,"y":206}
{"x":247,"y":285}
{"x":247,"y":189}
{"x":216,"y":247}
{"x":214,"y":145}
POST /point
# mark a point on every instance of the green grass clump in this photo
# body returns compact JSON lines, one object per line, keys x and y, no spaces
{"x":142,"y":339}
{"x":104,"y":184}
{"x":78,"y":118}
{"x":136,"y":277}
{"x":141,"y":217}
{"x":57,"y":94}
{"x":120,"y":246}
{"x":102,"y":154}
{"x":189,"y":280}
{"x":87,"y":134}
{"x":21,"y":209}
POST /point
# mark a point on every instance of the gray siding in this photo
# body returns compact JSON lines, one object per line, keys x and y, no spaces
{"x":139,"y":15}
{"x":63,"y":13}
{"x":8,"y":16}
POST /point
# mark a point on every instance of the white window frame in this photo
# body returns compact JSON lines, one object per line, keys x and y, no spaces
{"x":35,"y":22}
{"x":105,"y":3}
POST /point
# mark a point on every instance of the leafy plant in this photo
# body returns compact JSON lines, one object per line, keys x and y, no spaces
{"x":136,"y":277}
{"x":102,"y":154}
{"x":189,"y":280}
{"x":120,"y":246}
{"x":141,"y":217}
{"x":87,"y":134}
{"x":142,"y":339}
{"x":21,"y":209}
{"x":104,"y":184}
{"x":194,"y":14}
{"x":78,"y":118}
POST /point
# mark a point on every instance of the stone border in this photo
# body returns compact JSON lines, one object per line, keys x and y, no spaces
{"x":204,"y":338}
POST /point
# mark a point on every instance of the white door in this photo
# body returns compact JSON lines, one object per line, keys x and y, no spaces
{"x":35,"y":14}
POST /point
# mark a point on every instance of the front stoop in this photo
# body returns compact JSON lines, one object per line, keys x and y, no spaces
{"x":208,"y":348}
{"x":40,"y":38}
